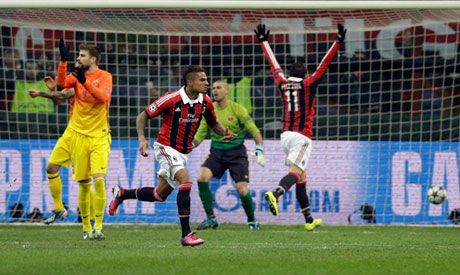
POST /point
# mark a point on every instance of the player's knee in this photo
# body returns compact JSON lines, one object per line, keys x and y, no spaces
{"x":85,"y":184}
{"x":205,"y":175}
{"x":52,"y":168}
{"x":242,"y":188}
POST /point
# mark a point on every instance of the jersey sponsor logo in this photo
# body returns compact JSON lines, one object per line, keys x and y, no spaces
{"x":153,"y":108}
{"x":230,"y":117}
{"x":190,"y":119}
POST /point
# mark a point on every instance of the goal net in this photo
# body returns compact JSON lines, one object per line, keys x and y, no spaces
{"x":386,"y":127}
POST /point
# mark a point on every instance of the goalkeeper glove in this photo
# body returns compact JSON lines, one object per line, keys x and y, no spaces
{"x":259,"y":153}
{"x":341,"y":33}
{"x":261,"y":34}
{"x":64,"y":50}
{"x":79,"y":74}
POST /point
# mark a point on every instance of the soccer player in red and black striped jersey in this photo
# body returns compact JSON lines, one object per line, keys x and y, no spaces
{"x":298,"y":97}
{"x":182,"y":112}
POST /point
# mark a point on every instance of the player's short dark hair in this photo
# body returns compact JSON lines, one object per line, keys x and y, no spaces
{"x":190,"y":73}
{"x":93,"y":51}
{"x":298,"y":69}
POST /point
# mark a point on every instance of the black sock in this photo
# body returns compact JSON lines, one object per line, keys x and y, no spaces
{"x":302,"y":199}
{"x":183,"y":206}
{"x":285,"y":183}
{"x":142,"y":194}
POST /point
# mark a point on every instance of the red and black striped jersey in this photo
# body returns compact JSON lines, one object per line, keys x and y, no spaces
{"x":181,"y":118}
{"x":298,"y":95}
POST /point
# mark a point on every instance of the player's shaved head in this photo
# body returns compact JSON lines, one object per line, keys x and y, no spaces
{"x":221,"y":83}
{"x":191,"y":73}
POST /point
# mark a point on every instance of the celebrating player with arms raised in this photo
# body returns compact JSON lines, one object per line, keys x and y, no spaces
{"x":298,"y":98}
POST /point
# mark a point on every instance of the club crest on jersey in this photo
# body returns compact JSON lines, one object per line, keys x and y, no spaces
{"x":153,"y":108}
{"x":230,"y":117}
{"x":96,"y":82}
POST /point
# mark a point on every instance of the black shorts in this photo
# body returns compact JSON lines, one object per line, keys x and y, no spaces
{"x":235,"y":160}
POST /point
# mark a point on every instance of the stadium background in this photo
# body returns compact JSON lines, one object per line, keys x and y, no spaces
{"x":386,"y":129}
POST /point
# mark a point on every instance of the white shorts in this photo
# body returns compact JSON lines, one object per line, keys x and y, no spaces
{"x":170,"y":161}
{"x":297,"y":148}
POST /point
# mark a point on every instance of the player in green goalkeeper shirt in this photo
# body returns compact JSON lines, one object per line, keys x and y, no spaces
{"x":228,"y":155}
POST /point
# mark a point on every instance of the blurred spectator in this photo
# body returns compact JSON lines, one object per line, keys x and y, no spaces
{"x":159,"y":79}
{"x":175,"y":80}
{"x":52,"y":61}
{"x":11,"y":66}
{"x":264,"y":88}
{"x":358,"y":91}
{"x":22,"y":102}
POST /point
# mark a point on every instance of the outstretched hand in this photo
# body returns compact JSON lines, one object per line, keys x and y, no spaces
{"x":261,"y":33}
{"x":64,"y":50}
{"x":228,"y":135}
{"x":341,"y":33}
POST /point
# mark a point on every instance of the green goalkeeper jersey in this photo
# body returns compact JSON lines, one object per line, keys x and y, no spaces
{"x":236,"y":118}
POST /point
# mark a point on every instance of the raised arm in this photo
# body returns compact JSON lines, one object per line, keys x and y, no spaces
{"x":263,"y":35}
{"x":327,"y":59}
{"x":62,"y":79}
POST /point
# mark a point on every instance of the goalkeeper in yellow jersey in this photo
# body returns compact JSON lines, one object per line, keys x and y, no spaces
{"x":60,"y":156}
{"x":230,"y":156}
{"x":89,"y":133}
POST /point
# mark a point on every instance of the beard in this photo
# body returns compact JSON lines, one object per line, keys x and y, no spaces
{"x":85,"y":67}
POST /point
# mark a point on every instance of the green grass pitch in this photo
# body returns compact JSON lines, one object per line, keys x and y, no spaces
{"x":231,"y":249}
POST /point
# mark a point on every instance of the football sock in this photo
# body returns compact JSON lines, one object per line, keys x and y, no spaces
{"x":206,"y":199}
{"x":56,"y":190}
{"x":83,"y":204}
{"x":286,"y":183}
{"x":248,"y":206}
{"x":99,"y":202}
{"x":302,"y":199}
{"x":92,"y":196}
{"x":142,"y":194}
{"x":183,"y":206}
